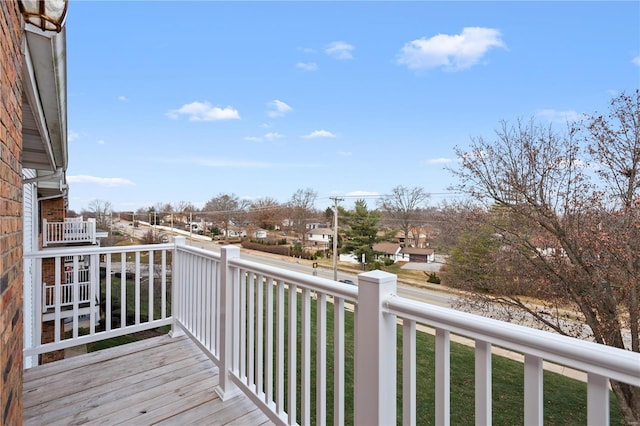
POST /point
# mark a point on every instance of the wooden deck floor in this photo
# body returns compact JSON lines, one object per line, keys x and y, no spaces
{"x":155,"y":381}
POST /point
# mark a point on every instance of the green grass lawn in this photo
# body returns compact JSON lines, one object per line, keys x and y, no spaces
{"x":565,"y":398}
{"x":116,"y":306}
{"x":116,"y":302}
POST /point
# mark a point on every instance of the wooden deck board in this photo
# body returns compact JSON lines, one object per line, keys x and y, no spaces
{"x":159,"y":380}
{"x":116,"y":352}
{"x":79,"y":380}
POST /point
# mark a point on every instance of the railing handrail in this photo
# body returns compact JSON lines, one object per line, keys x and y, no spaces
{"x":71,"y":251}
{"x":615,"y":363}
{"x":331,"y":288}
{"x":199,"y":251}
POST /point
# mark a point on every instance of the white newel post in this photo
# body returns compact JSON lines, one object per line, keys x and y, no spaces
{"x":92,"y":230}
{"x":226,"y":388}
{"x":176,"y":287}
{"x":45,"y":233}
{"x":375,"y":351}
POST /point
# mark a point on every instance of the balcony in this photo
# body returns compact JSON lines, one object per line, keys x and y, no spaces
{"x":71,"y":231}
{"x":255,"y":343}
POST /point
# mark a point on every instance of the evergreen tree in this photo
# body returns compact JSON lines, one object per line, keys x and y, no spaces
{"x":361,"y":228}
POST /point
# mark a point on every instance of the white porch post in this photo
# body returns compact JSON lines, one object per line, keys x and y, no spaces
{"x":375,"y":351}
{"x":226,"y":388}
{"x":176,"y":287}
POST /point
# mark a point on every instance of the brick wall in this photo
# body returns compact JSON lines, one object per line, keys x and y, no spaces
{"x":52,"y":210}
{"x":11,"y":333}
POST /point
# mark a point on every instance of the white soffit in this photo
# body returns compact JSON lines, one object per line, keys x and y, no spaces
{"x":44,"y":100}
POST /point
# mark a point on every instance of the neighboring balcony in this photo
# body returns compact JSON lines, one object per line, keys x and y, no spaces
{"x":253,"y":343}
{"x":71,"y":231}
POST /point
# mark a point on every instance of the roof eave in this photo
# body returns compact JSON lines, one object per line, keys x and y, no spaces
{"x":45,"y":83}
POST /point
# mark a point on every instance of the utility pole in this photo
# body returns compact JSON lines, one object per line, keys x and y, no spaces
{"x":335,"y":236}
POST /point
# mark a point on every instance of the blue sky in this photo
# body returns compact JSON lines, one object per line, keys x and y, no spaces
{"x":182,"y":101}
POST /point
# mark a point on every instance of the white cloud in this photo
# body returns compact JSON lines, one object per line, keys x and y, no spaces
{"x":110,"y":182}
{"x":636,"y":61}
{"x":339,"y":50}
{"x":123,"y":99}
{"x":204,"y":111}
{"x":362,"y":194}
{"x":344,"y":153}
{"x":307,"y":66}
{"x":440,"y":160}
{"x":307,"y":49}
{"x":253,"y":139}
{"x":273,"y":135}
{"x":72,"y":136}
{"x":554,"y":116}
{"x":278,"y":108}
{"x":319,"y":134}
{"x":453,"y":52}
{"x":101,"y":142}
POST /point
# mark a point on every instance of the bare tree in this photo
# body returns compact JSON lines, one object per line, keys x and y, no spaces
{"x":183,"y":210}
{"x":448,"y":221}
{"x":402,"y":206}
{"x":226,"y":209}
{"x":301,"y":208}
{"x":266,"y":213}
{"x":571,"y":239}
{"x":101,"y":211}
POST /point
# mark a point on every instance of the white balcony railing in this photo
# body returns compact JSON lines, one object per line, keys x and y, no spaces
{"x":72,"y":230}
{"x":75,"y":288}
{"x":254,"y":322}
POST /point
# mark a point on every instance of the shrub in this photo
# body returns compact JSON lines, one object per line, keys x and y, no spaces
{"x":282,"y":250}
{"x":433,"y":278}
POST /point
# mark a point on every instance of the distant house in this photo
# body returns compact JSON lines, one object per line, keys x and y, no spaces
{"x":235,"y":232}
{"x":418,"y":237}
{"x":397,"y":253}
{"x":389,"y":251}
{"x":320,"y":237}
{"x":260,"y":234}
{"x":421,"y":255}
{"x":315,"y":225}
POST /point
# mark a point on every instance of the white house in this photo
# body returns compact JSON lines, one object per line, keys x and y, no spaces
{"x":315,"y":225}
{"x":260,"y":234}
{"x":320,"y":237}
{"x":391,"y":251}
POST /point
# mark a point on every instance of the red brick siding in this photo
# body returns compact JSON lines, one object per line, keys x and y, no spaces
{"x":11,"y":337}
{"x":53,"y":210}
